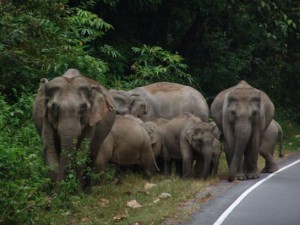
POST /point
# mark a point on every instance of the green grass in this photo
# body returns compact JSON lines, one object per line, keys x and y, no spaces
{"x":107,"y":202}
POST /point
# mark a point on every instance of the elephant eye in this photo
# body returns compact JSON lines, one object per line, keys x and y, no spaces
{"x":255,"y":112}
{"x":232,"y":112}
{"x":54,"y":109}
{"x":86,"y":91}
{"x":83,"y":109}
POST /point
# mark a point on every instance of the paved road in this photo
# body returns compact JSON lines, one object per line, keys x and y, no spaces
{"x":271,"y":200}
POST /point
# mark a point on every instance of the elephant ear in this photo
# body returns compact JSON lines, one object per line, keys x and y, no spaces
{"x":40,"y":101}
{"x":102,"y":104}
{"x":226,"y":126}
{"x":152,"y":136}
{"x":268,"y":110}
{"x":189,"y":135}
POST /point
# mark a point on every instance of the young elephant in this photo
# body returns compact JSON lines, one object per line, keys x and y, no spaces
{"x":187,"y":138}
{"x":267,"y":146}
{"x":127,"y":144}
{"x":217,"y":150}
{"x":156,"y":138}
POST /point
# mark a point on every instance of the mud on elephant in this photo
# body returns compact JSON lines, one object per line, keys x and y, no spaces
{"x":242,"y":113}
{"x":161,"y":100}
{"x":188,"y":138}
{"x":67,"y":110}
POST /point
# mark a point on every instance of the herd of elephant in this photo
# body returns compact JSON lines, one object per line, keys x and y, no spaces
{"x":153,"y":127}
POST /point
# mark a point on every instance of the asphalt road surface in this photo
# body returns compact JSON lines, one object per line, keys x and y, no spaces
{"x":274,"y":199}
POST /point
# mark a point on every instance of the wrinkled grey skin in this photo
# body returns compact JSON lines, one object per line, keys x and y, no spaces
{"x":127,"y":144}
{"x":157,"y":141}
{"x":187,"y":138}
{"x":217,"y":150}
{"x":161,"y":100}
{"x":215,"y":159}
{"x":67,"y":110}
{"x":242,"y":113}
{"x":268,"y":144}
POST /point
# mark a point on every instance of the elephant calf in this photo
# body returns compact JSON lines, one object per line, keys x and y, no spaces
{"x":188,"y":138}
{"x":127,"y":144}
{"x":217,"y":150}
{"x":157,"y":142}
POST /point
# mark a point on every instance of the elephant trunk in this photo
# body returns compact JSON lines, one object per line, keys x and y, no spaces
{"x":243,"y":130}
{"x":207,"y":153}
{"x":69,"y":134}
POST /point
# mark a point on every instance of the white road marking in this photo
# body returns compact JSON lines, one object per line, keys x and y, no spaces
{"x":225,"y":214}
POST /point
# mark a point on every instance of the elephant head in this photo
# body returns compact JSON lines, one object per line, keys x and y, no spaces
{"x":69,"y":107}
{"x":156,"y":137}
{"x":121,"y":99}
{"x":138,"y":106}
{"x":242,"y":113}
{"x":200,"y":138}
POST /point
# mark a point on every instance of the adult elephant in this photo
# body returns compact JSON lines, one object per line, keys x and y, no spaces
{"x":161,"y":100}
{"x":242,"y":113}
{"x":67,"y":110}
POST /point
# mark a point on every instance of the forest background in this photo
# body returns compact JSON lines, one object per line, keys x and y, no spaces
{"x":209,"y":45}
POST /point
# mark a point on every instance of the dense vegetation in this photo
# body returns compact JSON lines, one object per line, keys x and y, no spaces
{"x":209,"y":45}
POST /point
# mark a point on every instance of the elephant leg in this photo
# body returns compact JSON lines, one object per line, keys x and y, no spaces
{"x":270,"y":164}
{"x":148,"y":163}
{"x":178,"y":165}
{"x":186,"y":167}
{"x":103,"y":157}
{"x":199,"y":166}
{"x":239,"y":173}
{"x":214,"y":166}
{"x":228,"y":153}
{"x":167,"y":162}
{"x":250,"y":162}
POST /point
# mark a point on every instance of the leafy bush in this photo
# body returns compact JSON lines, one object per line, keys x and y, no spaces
{"x":43,"y":39}
{"x":154,"y":64}
{"x":23,"y":177}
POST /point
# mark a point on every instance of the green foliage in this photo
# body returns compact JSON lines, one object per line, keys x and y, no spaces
{"x":23,"y":177}
{"x":43,"y":39}
{"x":153,"y":64}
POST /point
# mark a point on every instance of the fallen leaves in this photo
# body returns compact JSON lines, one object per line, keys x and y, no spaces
{"x":148,"y":186}
{"x":164,"y":195}
{"x":133,"y":204}
{"x":119,"y":217}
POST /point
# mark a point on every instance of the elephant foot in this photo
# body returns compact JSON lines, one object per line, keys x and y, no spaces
{"x":237,"y":177}
{"x":241,"y":176}
{"x":252,"y":176}
{"x":270,"y":169}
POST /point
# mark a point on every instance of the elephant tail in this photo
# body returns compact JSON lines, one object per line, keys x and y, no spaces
{"x":280,"y":132}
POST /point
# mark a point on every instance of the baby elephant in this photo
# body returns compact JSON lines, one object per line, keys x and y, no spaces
{"x":156,"y":139}
{"x":187,"y":138}
{"x":217,"y":150}
{"x":127,"y":144}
